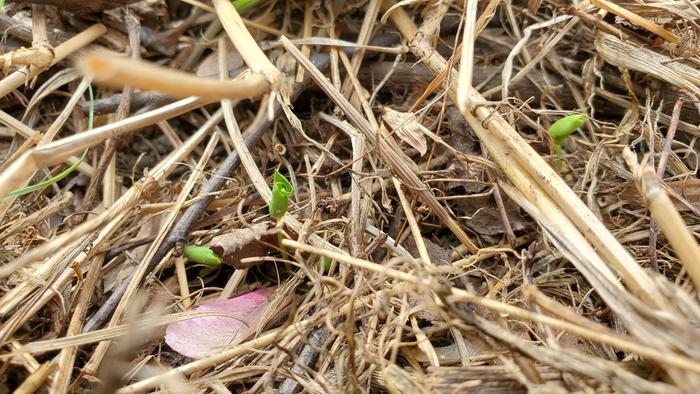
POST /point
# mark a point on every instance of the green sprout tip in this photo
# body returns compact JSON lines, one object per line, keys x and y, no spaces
{"x":565,"y":126}
{"x":202,"y":255}
{"x":281,"y":190}
{"x":244,"y":5}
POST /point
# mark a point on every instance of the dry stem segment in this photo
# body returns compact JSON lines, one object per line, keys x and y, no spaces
{"x":245,"y":43}
{"x":16,"y":79}
{"x":636,"y":19}
{"x":666,"y":214}
{"x":117,"y":72}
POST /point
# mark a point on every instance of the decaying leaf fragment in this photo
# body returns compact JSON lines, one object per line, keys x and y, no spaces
{"x":407,"y":127}
{"x":242,"y":243}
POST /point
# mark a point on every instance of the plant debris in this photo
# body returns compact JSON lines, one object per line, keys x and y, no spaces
{"x":439,"y":226}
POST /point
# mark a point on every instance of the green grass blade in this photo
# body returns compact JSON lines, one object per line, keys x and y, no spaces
{"x":49,"y":182}
{"x":67,"y":171}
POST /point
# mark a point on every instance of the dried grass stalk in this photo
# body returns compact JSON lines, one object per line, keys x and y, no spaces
{"x":117,"y":72}
{"x":666,"y":215}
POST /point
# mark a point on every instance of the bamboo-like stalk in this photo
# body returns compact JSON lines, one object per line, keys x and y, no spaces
{"x":181,"y":274}
{"x":666,"y":215}
{"x":117,"y":71}
{"x":16,"y":79}
{"x":40,"y":36}
{"x":40,"y":55}
{"x":36,"y":379}
{"x":466,"y":64}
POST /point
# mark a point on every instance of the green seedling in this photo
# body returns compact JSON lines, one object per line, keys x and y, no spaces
{"x":563,"y":128}
{"x":69,"y":170}
{"x":49,"y":182}
{"x":244,"y":5}
{"x":281,"y":190}
{"x":202,"y":255}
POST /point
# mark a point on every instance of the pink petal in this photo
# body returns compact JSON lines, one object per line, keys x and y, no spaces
{"x":200,"y":337}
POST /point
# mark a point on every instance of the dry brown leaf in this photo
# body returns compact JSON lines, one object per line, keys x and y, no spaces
{"x":407,"y":127}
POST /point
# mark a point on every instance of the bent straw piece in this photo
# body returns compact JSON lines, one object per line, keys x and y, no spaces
{"x":518,"y":150}
{"x":636,"y":19}
{"x":117,"y":71}
{"x":666,"y":214}
{"x":244,"y":42}
{"x":466,"y":63}
{"x":17,"y":78}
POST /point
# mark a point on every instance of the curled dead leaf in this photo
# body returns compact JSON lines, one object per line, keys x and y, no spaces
{"x":407,"y":127}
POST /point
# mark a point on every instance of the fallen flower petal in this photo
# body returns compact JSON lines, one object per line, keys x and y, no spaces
{"x":201,"y":337}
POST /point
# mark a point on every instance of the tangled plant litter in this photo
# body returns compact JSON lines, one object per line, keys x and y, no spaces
{"x":430,"y":245}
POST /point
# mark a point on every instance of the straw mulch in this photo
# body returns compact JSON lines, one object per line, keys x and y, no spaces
{"x":435,"y":241}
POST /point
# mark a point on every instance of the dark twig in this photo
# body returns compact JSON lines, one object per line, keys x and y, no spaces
{"x":307,"y":359}
{"x":139,"y":100}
